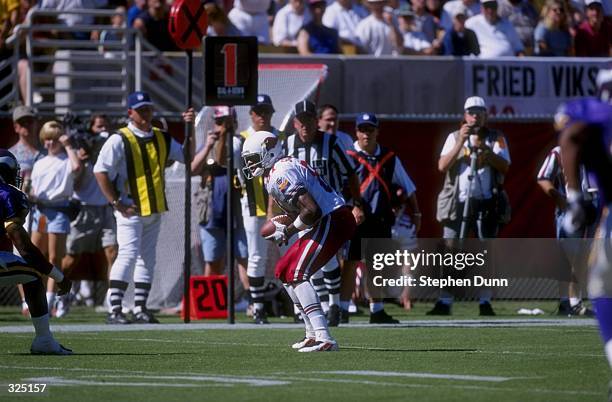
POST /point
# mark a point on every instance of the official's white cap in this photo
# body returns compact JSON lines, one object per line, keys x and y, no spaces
{"x":588,"y":3}
{"x":474,"y":101}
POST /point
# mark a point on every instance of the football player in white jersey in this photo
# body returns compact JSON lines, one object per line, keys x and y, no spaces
{"x":322,"y":222}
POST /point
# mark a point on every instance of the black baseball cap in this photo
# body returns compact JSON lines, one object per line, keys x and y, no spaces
{"x":263,"y":102}
{"x":305,"y":107}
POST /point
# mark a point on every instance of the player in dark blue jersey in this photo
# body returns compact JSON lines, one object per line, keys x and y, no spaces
{"x":32,"y":266}
{"x":587,"y":139}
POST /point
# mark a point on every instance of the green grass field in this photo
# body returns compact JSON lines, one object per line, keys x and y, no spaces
{"x":456,"y":359}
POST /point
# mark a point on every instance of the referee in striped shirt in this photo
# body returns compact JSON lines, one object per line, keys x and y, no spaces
{"x":327,"y":156}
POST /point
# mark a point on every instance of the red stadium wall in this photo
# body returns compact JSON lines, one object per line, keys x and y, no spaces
{"x":418,"y":144}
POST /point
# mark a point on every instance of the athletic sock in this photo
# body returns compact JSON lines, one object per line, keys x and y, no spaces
{"x":312,"y":309}
{"x":41,"y":325}
{"x":257,"y":289}
{"x":375,"y":307}
{"x":310,"y":333}
{"x":574,"y":301}
{"x":603,"y":312}
{"x":116,"y":291}
{"x":332,"y":283}
{"x":141,"y":294}
{"x":318,"y":283}
{"x":50,"y":299}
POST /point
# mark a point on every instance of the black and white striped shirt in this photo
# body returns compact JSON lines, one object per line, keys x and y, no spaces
{"x":324,"y":154}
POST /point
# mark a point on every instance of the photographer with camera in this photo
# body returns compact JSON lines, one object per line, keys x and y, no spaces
{"x":472,"y":202}
{"x":94,"y":227}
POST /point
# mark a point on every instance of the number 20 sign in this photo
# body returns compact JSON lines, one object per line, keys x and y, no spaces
{"x":230,"y":70}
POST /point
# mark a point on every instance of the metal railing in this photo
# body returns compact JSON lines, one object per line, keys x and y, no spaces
{"x":71,"y":68}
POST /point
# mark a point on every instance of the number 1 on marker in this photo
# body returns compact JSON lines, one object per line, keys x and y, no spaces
{"x":229,"y":50}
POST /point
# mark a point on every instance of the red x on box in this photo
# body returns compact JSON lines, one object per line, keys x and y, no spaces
{"x":187,"y":23}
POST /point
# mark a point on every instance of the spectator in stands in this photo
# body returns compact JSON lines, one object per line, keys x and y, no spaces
{"x":9,"y":16}
{"x":94,"y":228}
{"x":460,"y":41}
{"x":288,"y":22}
{"x":153,"y":23}
{"x":434,"y":7}
{"x":344,"y":15}
{"x":53,"y":179}
{"x":523,"y":16}
{"x":594,"y":35}
{"x":117,"y":21}
{"x":378,"y":33}
{"x":251,"y":18}
{"x":218,"y":23}
{"x":415,"y":42}
{"x":316,"y":38}
{"x":72,"y":19}
{"x":424,"y":21}
{"x":454,"y":162}
{"x":552,"y":35}
{"x":210,"y":164}
{"x":496,"y":36}
{"x":137,"y":8}
{"x":470,"y":7}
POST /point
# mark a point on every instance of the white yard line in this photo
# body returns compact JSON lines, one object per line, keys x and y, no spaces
{"x":256,"y":382}
{"x":500,"y":323}
{"x":460,"y":377}
{"x":270,"y":380}
{"x":59,"y":381}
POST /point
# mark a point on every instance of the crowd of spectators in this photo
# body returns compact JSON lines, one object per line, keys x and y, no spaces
{"x":488,"y":28}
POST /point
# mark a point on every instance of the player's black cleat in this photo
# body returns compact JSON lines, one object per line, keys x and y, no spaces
{"x":344,"y":316}
{"x":333,"y":315}
{"x":440,"y":309}
{"x":564,"y":308}
{"x":381,"y":317}
{"x":144,"y":317}
{"x":579,"y":310}
{"x":260,"y":317}
{"x":486,"y":309}
{"x":64,"y":286}
{"x":117,"y":317}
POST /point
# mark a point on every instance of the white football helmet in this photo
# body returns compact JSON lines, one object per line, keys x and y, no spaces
{"x":259,"y":152}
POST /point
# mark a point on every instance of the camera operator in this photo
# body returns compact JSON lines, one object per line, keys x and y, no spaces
{"x":94,"y":227}
{"x":479,"y":188}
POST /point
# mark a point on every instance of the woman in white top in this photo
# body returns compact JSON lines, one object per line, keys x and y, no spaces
{"x":52,"y":185}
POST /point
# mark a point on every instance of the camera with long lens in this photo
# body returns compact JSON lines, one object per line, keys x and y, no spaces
{"x":79,"y":137}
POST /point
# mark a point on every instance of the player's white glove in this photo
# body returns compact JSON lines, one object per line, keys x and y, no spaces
{"x":280,"y":235}
{"x":575,"y":217}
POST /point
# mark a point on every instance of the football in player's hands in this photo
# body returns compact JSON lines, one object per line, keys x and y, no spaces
{"x":269,"y":228}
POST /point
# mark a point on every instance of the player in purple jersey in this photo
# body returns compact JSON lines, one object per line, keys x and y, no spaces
{"x":587,"y":138}
{"x":32,"y":266}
